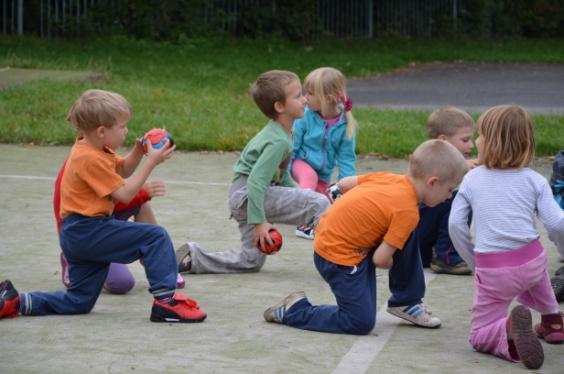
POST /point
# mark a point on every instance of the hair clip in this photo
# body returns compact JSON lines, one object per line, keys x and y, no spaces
{"x":348,"y":104}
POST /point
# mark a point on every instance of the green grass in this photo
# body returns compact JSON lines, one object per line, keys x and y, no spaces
{"x":197,"y":90}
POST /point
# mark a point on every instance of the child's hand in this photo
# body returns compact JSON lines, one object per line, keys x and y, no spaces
{"x":261,"y":234}
{"x":160,"y":155}
{"x":472,"y":163}
{"x":333,"y":192}
{"x":155,"y":188}
{"x":138,"y":147}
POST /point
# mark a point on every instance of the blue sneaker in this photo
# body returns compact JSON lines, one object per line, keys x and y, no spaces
{"x":305,"y":231}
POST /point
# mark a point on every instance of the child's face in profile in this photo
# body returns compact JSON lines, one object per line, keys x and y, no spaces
{"x":115,"y":136}
{"x":295,"y":100}
{"x":313,"y":102}
{"x":462,"y":140}
{"x":437,"y":192}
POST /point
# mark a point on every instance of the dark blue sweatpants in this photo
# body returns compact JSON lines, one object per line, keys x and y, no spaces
{"x":406,"y":277}
{"x":354,"y":288}
{"x":90,"y":244}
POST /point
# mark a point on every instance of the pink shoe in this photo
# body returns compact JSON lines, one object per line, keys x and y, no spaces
{"x":551,"y":328}
{"x":180,"y":281}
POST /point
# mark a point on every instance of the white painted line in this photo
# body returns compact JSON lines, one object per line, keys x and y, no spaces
{"x":366,"y":348}
{"x":28,"y":177}
{"x":34,"y":177}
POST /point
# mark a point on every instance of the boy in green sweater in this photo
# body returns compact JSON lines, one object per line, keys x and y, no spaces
{"x":262,"y":192}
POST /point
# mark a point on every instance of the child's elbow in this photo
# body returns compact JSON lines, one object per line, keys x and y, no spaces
{"x":383,"y":263}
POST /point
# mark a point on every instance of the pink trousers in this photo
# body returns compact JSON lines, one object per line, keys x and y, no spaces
{"x":499,"y":279}
{"x":307,"y":178}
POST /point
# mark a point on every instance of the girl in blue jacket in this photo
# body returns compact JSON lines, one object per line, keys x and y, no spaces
{"x":325,"y":136}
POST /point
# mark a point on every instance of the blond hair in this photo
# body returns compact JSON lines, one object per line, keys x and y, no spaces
{"x":447,"y":121}
{"x":329,"y":85}
{"x":507,"y":137}
{"x":437,"y":158}
{"x":270,"y":88}
{"x":96,"y":108}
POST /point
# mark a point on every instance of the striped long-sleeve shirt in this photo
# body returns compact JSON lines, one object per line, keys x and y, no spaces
{"x":504,"y":204}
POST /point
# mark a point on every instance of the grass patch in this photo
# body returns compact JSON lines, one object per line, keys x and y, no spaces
{"x":197,"y":89}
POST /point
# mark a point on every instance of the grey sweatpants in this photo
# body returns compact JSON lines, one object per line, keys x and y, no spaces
{"x":288,"y":205}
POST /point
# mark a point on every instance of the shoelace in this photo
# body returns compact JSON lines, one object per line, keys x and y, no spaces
{"x":424,"y":307}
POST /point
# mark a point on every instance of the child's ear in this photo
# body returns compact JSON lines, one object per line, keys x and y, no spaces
{"x":100,"y":131}
{"x":279,"y":107}
{"x":431,"y":181}
{"x":442,"y":137}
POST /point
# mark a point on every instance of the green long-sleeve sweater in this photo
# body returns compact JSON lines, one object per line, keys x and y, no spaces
{"x":265,"y":162}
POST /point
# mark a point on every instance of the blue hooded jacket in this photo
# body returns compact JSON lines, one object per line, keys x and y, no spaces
{"x":324,"y":149}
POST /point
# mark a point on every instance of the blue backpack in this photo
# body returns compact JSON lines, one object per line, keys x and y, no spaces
{"x":557,"y":179}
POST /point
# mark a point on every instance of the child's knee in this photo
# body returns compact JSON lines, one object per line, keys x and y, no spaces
{"x":319,"y":204}
{"x":362,"y":326}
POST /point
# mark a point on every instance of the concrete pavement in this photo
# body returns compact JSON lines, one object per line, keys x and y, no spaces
{"x":118,"y":337}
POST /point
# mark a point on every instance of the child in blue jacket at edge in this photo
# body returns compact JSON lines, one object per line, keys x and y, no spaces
{"x":325,"y":136}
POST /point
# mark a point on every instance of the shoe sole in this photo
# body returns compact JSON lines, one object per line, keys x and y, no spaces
{"x":441,"y":270}
{"x":176,"y":320}
{"x":299,"y":234}
{"x":181,"y":253}
{"x":526,"y":343}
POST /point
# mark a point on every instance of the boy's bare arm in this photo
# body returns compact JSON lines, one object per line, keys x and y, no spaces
{"x":132,"y":160}
{"x":347,"y":183}
{"x":384,"y":256}
{"x":154,"y":157}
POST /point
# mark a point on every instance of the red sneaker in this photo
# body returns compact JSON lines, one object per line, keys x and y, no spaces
{"x":179,"y":309}
{"x":551,"y":328}
{"x":9,"y":300}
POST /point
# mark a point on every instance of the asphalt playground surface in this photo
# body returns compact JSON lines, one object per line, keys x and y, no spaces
{"x":472,"y":87}
{"x":117,"y":337}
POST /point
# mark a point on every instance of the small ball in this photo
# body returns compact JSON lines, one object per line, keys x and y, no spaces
{"x":158,"y":138}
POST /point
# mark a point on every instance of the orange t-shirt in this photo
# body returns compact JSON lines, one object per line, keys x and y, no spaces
{"x":382,"y":207}
{"x":90,"y":176}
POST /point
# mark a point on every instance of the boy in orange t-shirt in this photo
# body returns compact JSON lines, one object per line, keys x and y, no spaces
{"x":91,"y":239}
{"x":380,"y":212}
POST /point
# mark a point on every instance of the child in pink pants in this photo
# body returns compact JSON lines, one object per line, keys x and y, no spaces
{"x":506,"y":197}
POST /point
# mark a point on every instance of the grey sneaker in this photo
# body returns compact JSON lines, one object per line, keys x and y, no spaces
{"x":184,"y":258}
{"x":416,"y":314}
{"x":276,"y":312}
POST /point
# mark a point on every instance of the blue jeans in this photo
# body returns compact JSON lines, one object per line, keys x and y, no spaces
{"x":354,"y":288}
{"x":90,"y":244}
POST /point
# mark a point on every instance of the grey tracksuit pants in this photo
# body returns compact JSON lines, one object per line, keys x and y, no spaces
{"x":287,"y":205}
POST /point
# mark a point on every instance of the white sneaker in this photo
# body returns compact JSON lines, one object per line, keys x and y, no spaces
{"x":276,"y":312}
{"x":416,"y":314}
{"x":305,"y":232}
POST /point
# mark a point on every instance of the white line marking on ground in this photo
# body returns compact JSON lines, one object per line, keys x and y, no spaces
{"x":366,"y":348}
{"x":33,"y":177}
